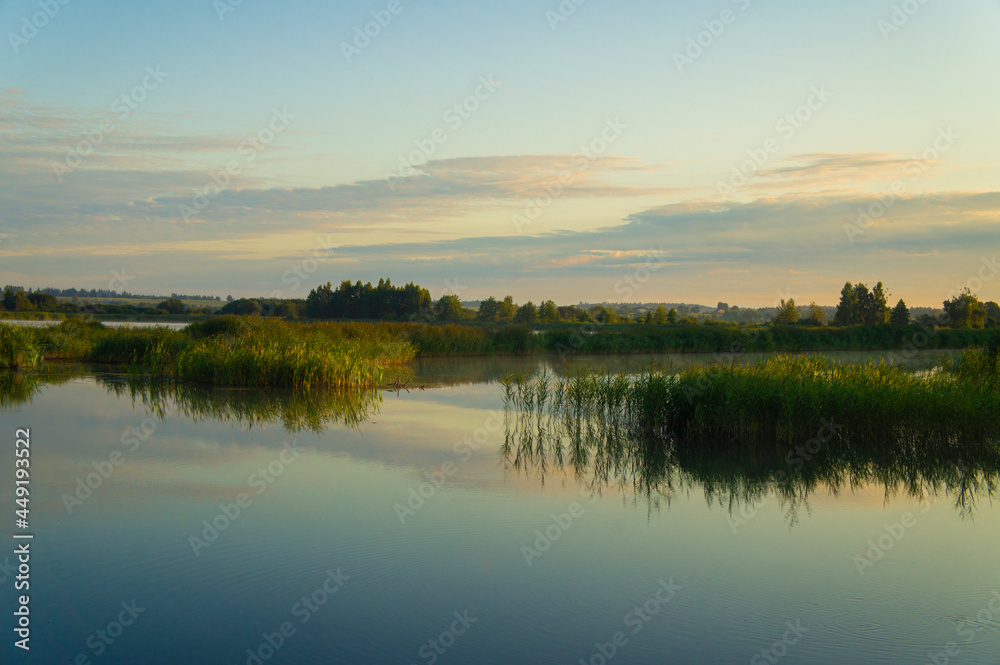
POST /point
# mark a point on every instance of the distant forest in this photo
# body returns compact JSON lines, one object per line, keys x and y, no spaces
{"x":384,"y":301}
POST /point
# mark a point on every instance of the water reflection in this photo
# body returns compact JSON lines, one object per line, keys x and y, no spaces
{"x":296,"y":411}
{"x":600,"y":454}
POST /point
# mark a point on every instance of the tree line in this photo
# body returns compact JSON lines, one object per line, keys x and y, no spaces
{"x":860,"y":306}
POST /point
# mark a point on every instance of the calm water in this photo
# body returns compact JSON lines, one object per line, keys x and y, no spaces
{"x":344,"y":540}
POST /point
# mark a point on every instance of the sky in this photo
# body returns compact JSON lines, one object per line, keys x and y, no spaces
{"x":584,"y":151}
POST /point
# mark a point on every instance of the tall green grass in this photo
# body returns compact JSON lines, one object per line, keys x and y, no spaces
{"x":783,"y":400}
{"x":19,"y":347}
{"x":235,"y":351}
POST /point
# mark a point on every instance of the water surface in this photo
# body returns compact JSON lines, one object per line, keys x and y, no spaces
{"x":421,"y":504}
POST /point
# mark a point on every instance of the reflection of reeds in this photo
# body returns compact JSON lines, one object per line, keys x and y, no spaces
{"x":657,"y":468}
{"x":738,"y":432}
{"x":781,"y":399}
{"x":294,"y":410}
{"x":19,"y":387}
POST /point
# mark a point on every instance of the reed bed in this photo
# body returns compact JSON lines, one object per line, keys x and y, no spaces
{"x":235,"y":351}
{"x":782,"y":400}
{"x":19,"y":348}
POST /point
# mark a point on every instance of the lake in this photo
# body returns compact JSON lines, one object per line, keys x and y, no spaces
{"x":429,"y":525}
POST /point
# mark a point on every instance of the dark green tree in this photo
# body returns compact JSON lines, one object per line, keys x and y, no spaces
{"x":172,"y":306}
{"x":10,"y":299}
{"x":527,"y":313}
{"x":507,"y":310}
{"x":449,"y":308}
{"x":548,"y":313}
{"x":900,"y":314}
{"x":787,"y":314}
{"x":965,"y":311}
{"x":489,"y":310}
{"x":661,"y":318}
{"x":816,"y":315}
{"x":847,"y":309}
{"x":242,"y":307}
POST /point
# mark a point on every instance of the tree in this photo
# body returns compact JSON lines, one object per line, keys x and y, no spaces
{"x":172,"y":306}
{"x":965,"y":311}
{"x":43,"y":301}
{"x":288,"y":309}
{"x":603,"y":314}
{"x":448,"y":308}
{"x":847,"y":309}
{"x":816,"y":315}
{"x":900,"y":314}
{"x":317,"y":302}
{"x":672,"y":316}
{"x":992,"y":314}
{"x":722,"y":307}
{"x":649,"y":317}
{"x":661,"y":317}
{"x":548,"y":312}
{"x":859,"y":306}
{"x":10,"y":299}
{"x":787,"y":314}
{"x":507,"y":310}
{"x":527,"y":313}
{"x":876,"y":311}
{"x":229,"y":298}
{"x":489,"y":310}
{"x":245,"y":307}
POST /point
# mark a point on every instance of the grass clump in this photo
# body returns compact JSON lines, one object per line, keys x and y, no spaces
{"x":231,"y":351}
{"x":785,"y":400}
{"x":267,"y":352}
{"x":19,"y":348}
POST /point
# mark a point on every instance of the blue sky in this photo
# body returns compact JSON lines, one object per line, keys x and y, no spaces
{"x":881,"y":104}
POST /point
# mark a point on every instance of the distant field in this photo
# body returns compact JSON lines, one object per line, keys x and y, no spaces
{"x":214,"y":304}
